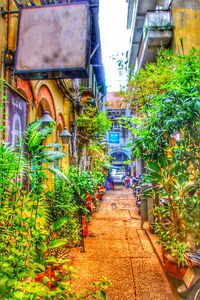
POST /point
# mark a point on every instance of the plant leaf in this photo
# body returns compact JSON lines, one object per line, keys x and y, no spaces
{"x":60,"y":174}
{"x":54,"y":145}
{"x":45,"y":279}
{"x":59,"y":223}
{"x":94,"y":295}
{"x":42,"y":246}
{"x":102,"y":295}
{"x":51,"y":155}
{"x":153,"y":166}
{"x":58,"y":243}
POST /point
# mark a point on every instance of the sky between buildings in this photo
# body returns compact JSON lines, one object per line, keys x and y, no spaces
{"x":114,"y":37}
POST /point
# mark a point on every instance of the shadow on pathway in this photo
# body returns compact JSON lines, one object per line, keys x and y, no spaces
{"x":117,"y":248}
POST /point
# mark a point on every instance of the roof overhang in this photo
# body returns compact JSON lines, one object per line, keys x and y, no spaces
{"x":96,"y":59}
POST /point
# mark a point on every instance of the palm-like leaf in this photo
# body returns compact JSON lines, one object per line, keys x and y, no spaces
{"x":12,"y":167}
{"x":52,"y":155}
{"x":58,"y":243}
{"x":60,"y":222}
{"x":35,"y":135}
{"x":59,"y":174}
{"x":54,"y":145}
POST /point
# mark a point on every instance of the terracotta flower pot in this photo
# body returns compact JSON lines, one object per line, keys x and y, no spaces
{"x":84,"y":226}
{"x":60,"y":270}
{"x":172,"y":268}
{"x":89,"y":203}
{"x":98,"y":197}
{"x":101,"y":190}
{"x":40,"y":276}
{"x":50,"y":274}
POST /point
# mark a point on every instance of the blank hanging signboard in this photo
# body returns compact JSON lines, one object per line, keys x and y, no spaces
{"x":53,"y":42}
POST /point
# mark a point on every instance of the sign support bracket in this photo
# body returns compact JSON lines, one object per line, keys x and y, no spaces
{"x":6,"y":12}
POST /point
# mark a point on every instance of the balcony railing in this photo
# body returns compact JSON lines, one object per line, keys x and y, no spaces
{"x":156,"y":32}
{"x":158,"y":20}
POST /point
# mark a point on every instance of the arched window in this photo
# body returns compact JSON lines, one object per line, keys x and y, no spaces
{"x":119,"y":156}
{"x":16,"y":131}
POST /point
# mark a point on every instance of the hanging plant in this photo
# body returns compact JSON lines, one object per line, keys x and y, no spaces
{"x":91,"y":123}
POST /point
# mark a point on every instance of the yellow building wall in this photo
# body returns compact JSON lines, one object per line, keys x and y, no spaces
{"x":3,"y":46}
{"x":186,"y":20}
{"x":3,"y":32}
{"x":62,"y":106}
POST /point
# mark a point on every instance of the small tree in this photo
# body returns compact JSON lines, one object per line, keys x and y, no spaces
{"x":165,"y":98}
{"x":91,"y":125}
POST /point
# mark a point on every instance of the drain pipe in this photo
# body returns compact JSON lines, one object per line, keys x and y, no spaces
{"x":3,"y":53}
{"x":170,"y":4}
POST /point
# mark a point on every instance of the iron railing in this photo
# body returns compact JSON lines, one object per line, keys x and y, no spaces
{"x":155,"y":20}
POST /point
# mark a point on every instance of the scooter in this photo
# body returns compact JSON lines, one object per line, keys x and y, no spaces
{"x":138,"y":203}
{"x":135,"y":186}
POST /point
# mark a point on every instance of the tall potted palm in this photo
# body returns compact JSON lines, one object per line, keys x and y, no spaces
{"x":170,"y":215}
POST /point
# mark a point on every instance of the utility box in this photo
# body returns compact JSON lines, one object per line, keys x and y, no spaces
{"x":149,"y":209}
{"x":144,"y":210}
{"x":146,"y":206}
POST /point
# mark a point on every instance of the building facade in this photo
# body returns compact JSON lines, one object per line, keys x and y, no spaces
{"x":118,"y":137}
{"x":162,"y":23}
{"x":154,"y":24}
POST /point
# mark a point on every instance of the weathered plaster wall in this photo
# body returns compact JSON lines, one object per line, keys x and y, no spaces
{"x":60,"y":110}
{"x":186,"y":20}
{"x":3,"y":45}
{"x":3,"y":33}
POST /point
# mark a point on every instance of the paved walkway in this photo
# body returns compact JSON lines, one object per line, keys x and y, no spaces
{"x":116,"y":247}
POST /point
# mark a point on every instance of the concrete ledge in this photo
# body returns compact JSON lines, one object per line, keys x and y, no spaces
{"x":157,"y":248}
{"x":174,"y":283}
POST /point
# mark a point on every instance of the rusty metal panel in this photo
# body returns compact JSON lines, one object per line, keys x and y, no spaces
{"x":53,"y":42}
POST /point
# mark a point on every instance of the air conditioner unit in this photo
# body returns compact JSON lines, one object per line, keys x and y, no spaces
{"x":90,"y":85}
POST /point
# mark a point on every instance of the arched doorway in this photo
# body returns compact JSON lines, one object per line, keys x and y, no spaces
{"x":119,"y":156}
{"x":44,"y":102}
{"x":119,"y":160}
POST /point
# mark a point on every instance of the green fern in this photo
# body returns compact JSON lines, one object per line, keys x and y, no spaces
{"x":59,"y":174}
{"x":35,"y":135}
{"x":52,"y":155}
{"x":12,"y":169}
{"x":54,"y":145}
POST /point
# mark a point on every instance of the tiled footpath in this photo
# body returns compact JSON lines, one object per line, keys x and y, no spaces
{"x":117,"y":248}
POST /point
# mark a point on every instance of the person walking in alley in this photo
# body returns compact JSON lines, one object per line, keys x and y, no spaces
{"x":127,"y":182}
{"x":107,"y":185}
{"x":110,"y":179}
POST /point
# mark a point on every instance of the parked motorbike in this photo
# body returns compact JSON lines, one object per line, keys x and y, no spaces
{"x":137,"y":191}
{"x":135,"y":185}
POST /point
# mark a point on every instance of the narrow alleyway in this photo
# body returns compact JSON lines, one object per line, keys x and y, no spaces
{"x":116,"y":247}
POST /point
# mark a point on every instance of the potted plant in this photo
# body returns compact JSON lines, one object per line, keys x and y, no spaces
{"x":175,"y":259}
{"x":170,"y":214}
{"x":174,"y":250}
